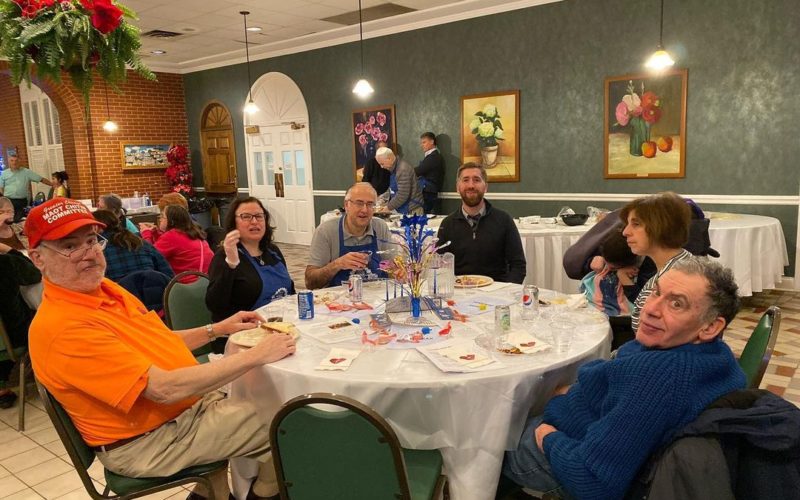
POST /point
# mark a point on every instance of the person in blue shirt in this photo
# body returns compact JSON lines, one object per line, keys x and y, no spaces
{"x":595,"y":434}
{"x":113,"y":203}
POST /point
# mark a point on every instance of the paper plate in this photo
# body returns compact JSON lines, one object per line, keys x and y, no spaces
{"x":472,"y":281}
{"x":251,"y":337}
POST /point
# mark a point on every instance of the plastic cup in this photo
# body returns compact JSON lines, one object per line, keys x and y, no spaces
{"x":562,"y":335}
{"x":275,"y":310}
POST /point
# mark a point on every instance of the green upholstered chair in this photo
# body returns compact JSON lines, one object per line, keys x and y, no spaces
{"x":758,"y":351}
{"x":19,"y":355}
{"x":348,"y":453}
{"x":185,"y":307}
{"x":117,"y":487}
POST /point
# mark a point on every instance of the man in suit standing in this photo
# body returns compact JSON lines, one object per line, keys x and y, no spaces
{"x":430,"y":172}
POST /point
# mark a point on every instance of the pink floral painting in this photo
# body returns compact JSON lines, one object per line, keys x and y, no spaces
{"x":371,"y":126}
{"x":645,"y":125}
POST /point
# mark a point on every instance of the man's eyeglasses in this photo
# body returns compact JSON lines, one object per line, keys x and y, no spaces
{"x":361,"y":204}
{"x":249,"y":217}
{"x":77,"y":253}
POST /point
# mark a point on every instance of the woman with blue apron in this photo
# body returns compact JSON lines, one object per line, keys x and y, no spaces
{"x":372,"y":248}
{"x":275,"y":280}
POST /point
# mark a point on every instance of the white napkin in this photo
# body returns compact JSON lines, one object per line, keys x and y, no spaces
{"x":338,"y":359}
{"x":466,"y":355}
{"x":576,"y":301}
{"x":525,"y":342}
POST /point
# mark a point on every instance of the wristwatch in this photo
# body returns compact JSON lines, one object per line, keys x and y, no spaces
{"x":210,"y":331}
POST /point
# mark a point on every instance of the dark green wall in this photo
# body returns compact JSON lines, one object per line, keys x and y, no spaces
{"x":743,"y":58}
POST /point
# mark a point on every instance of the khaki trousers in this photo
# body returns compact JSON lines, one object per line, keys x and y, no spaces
{"x":214,"y":428}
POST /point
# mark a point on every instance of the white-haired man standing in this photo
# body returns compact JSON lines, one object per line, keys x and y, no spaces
{"x":405,"y":195}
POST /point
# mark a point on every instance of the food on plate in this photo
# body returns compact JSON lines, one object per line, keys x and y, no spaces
{"x":473,"y":280}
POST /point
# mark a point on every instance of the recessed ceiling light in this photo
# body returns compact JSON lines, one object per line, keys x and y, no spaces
{"x":158,"y":52}
{"x":254,"y":28}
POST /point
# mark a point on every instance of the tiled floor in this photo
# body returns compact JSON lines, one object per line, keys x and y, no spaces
{"x":34,"y":464}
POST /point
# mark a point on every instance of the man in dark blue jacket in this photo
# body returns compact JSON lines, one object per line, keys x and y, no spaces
{"x":430,"y":172}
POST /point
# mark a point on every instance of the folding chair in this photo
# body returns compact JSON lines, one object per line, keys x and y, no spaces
{"x":17,"y":355}
{"x":117,"y":486}
{"x":185,"y":306}
{"x":758,"y":350}
{"x":350,"y":453}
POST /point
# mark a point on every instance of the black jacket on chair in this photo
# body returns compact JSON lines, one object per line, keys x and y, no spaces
{"x":744,"y":445}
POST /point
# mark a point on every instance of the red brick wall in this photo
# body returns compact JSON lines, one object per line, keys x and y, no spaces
{"x":146,"y":113}
{"x":12,"y":132}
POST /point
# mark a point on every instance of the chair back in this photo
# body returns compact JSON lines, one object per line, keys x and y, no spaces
{"x":185,"y":303}
{"x":758,"y":350}
{"x":148,"y":286}
{"x":79,"y":452}
{"x":7,"y":350}
{"x":348,"y":453}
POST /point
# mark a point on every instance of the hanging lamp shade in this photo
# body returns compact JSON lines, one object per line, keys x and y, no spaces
{"x":660,"y":59}
{"x":363,"y":89}
{"x":109,"y":125}
{"x":250,"y":108}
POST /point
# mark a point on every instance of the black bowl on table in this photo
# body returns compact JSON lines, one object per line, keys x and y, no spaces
{"x":575,"y":219}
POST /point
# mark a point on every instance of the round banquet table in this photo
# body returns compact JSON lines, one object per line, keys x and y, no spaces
{"x":472,"y":418}
{"x":753,"y":246}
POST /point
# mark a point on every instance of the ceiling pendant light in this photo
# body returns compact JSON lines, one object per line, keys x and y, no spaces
{"x":250,"y":108}
{"x":362,"y":89}
{"x":660,"y":59}
{"x":109,"y":126}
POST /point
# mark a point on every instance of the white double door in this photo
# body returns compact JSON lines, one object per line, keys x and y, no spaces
{"x":278,"y":157}
{"x":42,"y":135}
{"x":281,"y":176}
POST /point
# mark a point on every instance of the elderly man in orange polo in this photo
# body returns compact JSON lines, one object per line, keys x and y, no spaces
{"x":131,"y":385}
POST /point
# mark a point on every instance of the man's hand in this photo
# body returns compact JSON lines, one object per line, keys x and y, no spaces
{"x":542,"y":431}
{"x":242,"y":320}
{"x":274,"y":347}
{"x":627,"y":274}
{"x":352,"y":261}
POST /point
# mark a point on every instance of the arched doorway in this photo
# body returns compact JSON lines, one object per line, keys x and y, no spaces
{"x":218,"y":151}
{"x":278,"y":157}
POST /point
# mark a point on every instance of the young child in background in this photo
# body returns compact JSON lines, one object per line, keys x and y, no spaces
{"x":604,"y":288}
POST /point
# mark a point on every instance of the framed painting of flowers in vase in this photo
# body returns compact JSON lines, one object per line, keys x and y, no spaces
{"x":645,"y":125}
{"x":490,"y":133}
{"x":371,"y":126}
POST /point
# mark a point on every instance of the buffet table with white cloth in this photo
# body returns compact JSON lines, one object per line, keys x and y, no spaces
{"x":753,"y":246}
{"x":472,"y":418}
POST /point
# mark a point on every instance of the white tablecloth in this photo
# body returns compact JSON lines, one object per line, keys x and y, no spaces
{"x":753,"y":246}
{"x":471,"y":417}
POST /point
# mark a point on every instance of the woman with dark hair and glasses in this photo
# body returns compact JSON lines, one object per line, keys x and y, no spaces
{"x":249,"y":271}
{"x":182,"y":242}
{"x":125,"y":252}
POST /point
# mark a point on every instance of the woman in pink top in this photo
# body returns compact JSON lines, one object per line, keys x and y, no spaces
{"x":183,"y":242}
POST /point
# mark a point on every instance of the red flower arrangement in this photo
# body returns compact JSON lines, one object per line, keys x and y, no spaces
{"x":178,"y":173}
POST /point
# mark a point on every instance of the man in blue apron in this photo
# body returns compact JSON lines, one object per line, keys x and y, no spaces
{"x":404,"y":186}
{"x":349,"y":243}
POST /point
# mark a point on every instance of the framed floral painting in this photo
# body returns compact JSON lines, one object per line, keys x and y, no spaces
{"x":371,"y":126}
{"x":490,"y":133}
{"x":645,"y":125}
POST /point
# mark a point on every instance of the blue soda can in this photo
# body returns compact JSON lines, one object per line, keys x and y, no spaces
{"x":305,"y":304}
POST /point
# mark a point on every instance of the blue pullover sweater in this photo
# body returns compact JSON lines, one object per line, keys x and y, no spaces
{"x":620,"y":411}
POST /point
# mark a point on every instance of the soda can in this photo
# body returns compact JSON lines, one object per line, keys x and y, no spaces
{"x":305,"y":304}
{"x":502,"y":319}
{"x":356,"y":287}
{"x":530,"y":302}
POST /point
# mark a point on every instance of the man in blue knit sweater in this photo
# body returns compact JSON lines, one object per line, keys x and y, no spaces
{"x":595,"y":435}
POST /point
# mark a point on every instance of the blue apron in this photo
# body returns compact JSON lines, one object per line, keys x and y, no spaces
{"x":275,"y":280}
{"x":374,"y":261}
{"x":405,"y":207}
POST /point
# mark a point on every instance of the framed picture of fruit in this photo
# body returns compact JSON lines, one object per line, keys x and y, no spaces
{"x":645,"y":125}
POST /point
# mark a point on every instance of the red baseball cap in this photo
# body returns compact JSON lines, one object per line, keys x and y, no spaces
{"x":57,"y":218}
